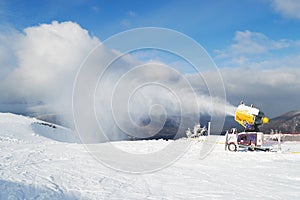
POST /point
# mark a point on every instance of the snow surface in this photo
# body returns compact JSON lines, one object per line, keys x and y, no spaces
{"x":38,"y":161}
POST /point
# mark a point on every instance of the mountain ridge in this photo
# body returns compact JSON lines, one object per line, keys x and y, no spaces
{"x":286,"y":123}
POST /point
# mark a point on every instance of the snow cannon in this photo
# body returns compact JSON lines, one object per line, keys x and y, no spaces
{"x":249,"y":117}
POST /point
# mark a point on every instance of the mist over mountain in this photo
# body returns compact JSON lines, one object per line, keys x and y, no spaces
{"x":286,"y":123}
{"x":175,"y":126}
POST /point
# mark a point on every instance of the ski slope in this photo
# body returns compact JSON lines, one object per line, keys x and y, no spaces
{"x":44,"y":161}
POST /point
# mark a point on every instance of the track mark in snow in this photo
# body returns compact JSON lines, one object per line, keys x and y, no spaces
{"x":9,"y":140}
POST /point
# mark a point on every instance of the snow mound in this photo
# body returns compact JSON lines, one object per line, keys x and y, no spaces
{"x":21,"y":129}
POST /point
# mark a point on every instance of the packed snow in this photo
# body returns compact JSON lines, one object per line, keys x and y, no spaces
{"x":39,"y":160}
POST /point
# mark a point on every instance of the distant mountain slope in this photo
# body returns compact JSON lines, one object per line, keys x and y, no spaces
{"x":286,"y":123}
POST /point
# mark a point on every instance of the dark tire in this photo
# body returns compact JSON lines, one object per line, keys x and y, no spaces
{"x":232,"y":147}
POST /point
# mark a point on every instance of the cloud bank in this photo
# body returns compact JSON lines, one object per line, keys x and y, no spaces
{"x":40,"y":63}
{"x":263,"y":71}
{"x":39,"y":66}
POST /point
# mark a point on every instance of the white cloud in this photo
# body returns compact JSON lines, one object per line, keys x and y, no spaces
{"x":254,"y":49}
{"x":252,"y":43}
{"x":41,"y":63}
{"x":288,"y":8}
{"x":43,"y":60}
{"x":259,"y":69}
{"x":275,"y":91}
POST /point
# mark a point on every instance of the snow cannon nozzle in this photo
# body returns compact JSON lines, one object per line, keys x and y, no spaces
{"x":265,"y":120}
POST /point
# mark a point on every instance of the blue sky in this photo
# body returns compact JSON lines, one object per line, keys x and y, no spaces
{"x":255,"y":43}
{"x":211,"y":23}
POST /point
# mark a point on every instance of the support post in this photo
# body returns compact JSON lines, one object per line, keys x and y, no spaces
{"x":208,"y":129}
{"x":279,"y":141}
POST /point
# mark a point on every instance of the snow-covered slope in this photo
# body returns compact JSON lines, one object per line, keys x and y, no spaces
{"x":24,"y":129}
{"x":38,"y":161}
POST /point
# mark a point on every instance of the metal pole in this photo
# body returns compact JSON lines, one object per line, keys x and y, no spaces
{"x":279,"y":141}
{"x":208,"y":129}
